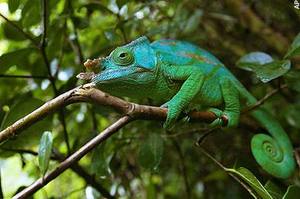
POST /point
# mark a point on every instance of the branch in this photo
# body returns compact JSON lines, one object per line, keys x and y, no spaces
{"x":86,"y":93}
{"x":76,"y":168}
{"x":43,"y":44}
{"x":265,"y":98}
{"x":24,"y":76}
{"x":41,"y":182}
{"x":28,"y":36}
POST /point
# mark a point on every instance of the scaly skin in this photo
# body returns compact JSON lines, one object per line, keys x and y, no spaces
{"x":186,"y":77}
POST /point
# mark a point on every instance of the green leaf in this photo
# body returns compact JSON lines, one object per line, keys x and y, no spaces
{"x":120,"y":3}
{"x":248,"y":177}
{"x":294,"y":48}
{"x":193,"y":22}
{"x":30,"y":137}
{"x":292,"y":192}
{"x":81,"y":23}
{"x":292,"y":79}
{"x":45,"y":151}
{"x":252,"y":60}
{"x":14,"y":58}
{"x":151,"y":151}
{"x":101,"y":158}
{"x":13,"y":5}
{"x":31,"y":13}
{"x":274,"y":190}
{"x":10,"y":32}
{"x":270,"y":71}
{"x":292,"y":115}
{"x":263,"y":65}
{"x":97,"y":6}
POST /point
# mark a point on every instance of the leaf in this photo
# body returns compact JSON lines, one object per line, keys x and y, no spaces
{"x":81,"y":23}
{"x":270,"y":71}
{"x":263,"y":65}
{"x":18,"y":58}
{"x":292,"y":115}
{"x":292,"y":79}
{"x":292,"y":192}
{"x":97,"y":6}
{"x":274,"y":190}
{"x":193,"y":22}
{"x":120,"y":3}
{"x":30,"y":137}
{"x":101,"y":158}
{"x":13,"y":5}
{"x":31,"y":13}
{"x":45,"y":151}
{"x":248,"y":177}
{"x":252,"y":60}
{"x":151,"y":151}
{"x":294,"y":48}
{"x":10,"y":32}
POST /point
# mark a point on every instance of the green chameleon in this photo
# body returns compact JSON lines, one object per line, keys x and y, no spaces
{"x":186,"y":76}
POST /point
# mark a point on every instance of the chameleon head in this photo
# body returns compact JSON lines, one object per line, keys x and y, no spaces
{"x":133,"y":63}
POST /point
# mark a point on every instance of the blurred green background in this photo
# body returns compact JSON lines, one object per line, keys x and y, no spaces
{"x":43,"y":45}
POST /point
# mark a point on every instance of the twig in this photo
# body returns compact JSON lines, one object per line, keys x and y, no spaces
{"x":109,"y":131}
{"x":75,"y":168}
{"x":224,"y":168}
{"x":266,"y":97}
{"x":75,"y":43}
{"x":42,"y":49}
{"x":86,"y":93}
{"x":26,"y":35}
{"x":24,"y":76}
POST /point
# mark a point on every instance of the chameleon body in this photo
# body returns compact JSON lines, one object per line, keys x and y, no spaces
{"x":187,"y":77}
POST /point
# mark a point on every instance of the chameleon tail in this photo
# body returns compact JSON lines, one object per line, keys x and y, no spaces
{"x":274,"y":154}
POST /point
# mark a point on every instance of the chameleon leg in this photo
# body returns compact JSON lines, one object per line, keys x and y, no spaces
{"x":193,"y":81}
{"x":232,"y":105}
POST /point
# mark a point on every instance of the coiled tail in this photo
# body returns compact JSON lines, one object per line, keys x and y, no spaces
{"x":274,"y":154}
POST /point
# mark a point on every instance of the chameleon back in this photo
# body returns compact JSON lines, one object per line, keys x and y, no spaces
{"x":185,"y":53}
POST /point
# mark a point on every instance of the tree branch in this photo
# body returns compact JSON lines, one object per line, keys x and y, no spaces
{"x":86,"y":93}
{"x":41,"y":182}
{"x":76,"y":168}
{"x":24,"y":76}
{"x":26,"y":35}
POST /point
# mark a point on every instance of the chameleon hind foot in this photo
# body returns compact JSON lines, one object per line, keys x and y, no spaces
{"x":224,"y":118}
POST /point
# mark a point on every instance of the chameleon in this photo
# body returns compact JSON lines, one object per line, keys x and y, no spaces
{"x":187,"y":77}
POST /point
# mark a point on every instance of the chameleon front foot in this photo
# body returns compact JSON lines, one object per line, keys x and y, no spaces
{"x":172,"y":114}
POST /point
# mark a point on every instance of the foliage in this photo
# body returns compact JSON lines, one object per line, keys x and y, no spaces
{"x":43,"y":47}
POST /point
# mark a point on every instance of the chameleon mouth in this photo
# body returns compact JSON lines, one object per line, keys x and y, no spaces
{"x":109,"y":75}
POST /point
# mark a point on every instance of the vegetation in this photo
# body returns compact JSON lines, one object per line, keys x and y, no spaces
{"x":43,"y":45}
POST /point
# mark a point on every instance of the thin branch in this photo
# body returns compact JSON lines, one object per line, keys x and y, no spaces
{"x":42,"y":48}
{"x":44,"y":5}
{"x":75,"y":42}
{"x":26,"y":35}
{"x":86,"y":93}
{"x":75,"y":168}
{"x":225,"y":169}
{"x":24,"y":76}
{"x":109,"y":131}
{"x":265,"y":98}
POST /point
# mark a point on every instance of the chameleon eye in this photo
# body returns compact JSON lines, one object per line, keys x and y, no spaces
{"x":122,"y":56}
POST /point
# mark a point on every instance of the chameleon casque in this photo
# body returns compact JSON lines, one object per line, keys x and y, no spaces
{"x":186,"y":76}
